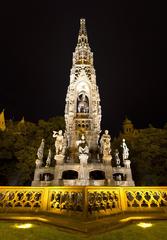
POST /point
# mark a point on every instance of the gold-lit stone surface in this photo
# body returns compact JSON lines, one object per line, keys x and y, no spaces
{"x":65,"y":200}
{"x":146,"y":197}
{"x":104,"y":201}
{"x":16,"y":198}
{"x":83,"y":201}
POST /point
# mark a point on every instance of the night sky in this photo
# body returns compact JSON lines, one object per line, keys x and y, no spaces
{"x":129,"y":42}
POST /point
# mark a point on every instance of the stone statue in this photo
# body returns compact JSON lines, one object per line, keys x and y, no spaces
{"x":117,"y":159}
{"x":48,"y":161}
{"x":40,"y":150}
{"x":83,"y":104}
{"x":119,"y":177}
{"x":38,"y":163}
{"x":46,"y":177}
{"x":59,"y":142}
{"x":83,"y":147}
{"x":105,"y":144}
{"x":125,"y":153}
{"x":83,"y":150}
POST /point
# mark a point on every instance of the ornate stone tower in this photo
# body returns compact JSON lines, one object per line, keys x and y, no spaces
{"x":82,"y":110}
{"x":81,"y":158}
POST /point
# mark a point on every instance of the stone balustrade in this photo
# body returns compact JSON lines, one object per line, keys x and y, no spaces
{"x":89,"y":201}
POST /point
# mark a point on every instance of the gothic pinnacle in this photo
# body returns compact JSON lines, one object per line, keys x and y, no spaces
{"x":82,"y":27}
{"x":82,"y":38}
{"x":82,"y":54}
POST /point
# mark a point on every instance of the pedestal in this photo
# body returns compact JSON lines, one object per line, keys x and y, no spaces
{"x":59,"y":159}
{"x":83,"y":159}
{"x":107,"y":159}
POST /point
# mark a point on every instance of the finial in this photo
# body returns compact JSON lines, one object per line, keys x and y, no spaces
{"x":82,"y":27}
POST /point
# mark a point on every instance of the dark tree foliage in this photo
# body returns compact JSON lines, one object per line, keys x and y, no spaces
{"x":148,"y":155}
{"x":18,"y":148}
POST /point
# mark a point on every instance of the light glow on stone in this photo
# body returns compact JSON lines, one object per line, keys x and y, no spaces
{"x":144,"y":225}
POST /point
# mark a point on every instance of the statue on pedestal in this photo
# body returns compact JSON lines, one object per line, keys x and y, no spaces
{"x":105,"y":144}
{"x":125,"y":153}
{"x":46,"y":177}
{"x":83,"y":106}
{"x":83,"y":149}
{"x":40,"y":151}
{"x":59,"y":142}
{"x":48,"y":161}
{"x":117,"y":159}
{"x":119,"y":178}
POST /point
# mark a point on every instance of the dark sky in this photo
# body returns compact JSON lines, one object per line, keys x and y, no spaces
{"x":129,"y":42}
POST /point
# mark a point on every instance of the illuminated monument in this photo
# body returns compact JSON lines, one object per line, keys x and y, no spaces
{"x":82,"y":156}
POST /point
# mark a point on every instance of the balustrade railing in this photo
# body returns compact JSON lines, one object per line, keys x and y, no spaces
{"x":83,"y":201}
{"x":145,"y":198}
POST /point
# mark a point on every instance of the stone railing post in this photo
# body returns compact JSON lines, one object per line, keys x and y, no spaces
{"x":85,"y":202}
{"x":123,"y":200}
{"x":45,"y":199}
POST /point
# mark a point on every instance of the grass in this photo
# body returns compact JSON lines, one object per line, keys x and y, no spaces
{"x":42,"y":231}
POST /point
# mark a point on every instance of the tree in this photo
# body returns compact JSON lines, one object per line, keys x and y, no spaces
{"x":7,"y":157}
{"x":148,"y":154}
{"x":19,"y":145}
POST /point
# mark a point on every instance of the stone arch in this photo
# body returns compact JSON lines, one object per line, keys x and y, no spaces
{"x":82,"y":103}
{"x":83,"y":86}
{"x":97,"y":175}
{"x":69,"y":174}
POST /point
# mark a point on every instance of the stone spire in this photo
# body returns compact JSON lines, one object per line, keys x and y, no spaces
{"x":82,"y":37}
{"x":82,"y":54}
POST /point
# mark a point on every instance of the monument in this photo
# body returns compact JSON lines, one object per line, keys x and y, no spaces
{"x":82,"y":156}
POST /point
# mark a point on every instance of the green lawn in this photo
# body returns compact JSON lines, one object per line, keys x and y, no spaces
{"x":40,"y":231}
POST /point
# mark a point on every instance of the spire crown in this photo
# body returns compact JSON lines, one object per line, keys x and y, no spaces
{"x":82,"y":54}
{"x":82,"y":30}
{"x":82,"y":37}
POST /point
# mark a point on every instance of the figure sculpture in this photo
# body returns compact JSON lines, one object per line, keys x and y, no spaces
{"x":125,"y":153}
{"x":83,"y":150}
{"x":39,"y":160}
{"x":117,"y":159}
{"x":40,"y":150}
{"x":83,"y":104}
{"x":119,"y":177}
{"x":82,"y":146}
{"x":105,"y":144}
{"x":59,"y":142}
{"x":48,"y":161}
{"x":46,"y":177}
